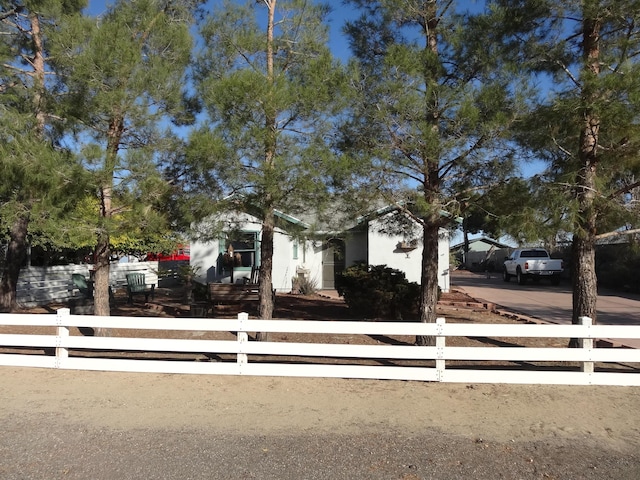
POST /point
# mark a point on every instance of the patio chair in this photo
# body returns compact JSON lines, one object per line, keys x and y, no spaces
{"x":80,"y":282}
{"x":136,"y":285}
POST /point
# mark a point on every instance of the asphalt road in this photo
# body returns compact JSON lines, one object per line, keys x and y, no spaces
{"x":547,"y":302}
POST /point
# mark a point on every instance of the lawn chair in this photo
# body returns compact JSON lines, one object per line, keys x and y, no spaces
{"x":80,"y":282}
{"x":136,"y":285}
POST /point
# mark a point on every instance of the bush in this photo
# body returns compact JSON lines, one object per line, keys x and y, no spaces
{"x":378,"y":291}
{"x":304,"y":285}
{"x":200,"y":292}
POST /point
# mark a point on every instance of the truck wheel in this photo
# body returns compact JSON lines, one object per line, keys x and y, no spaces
{"x":505,"y":276}
{"x":522,"y":279}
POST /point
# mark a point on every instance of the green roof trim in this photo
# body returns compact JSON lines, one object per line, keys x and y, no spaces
{"x":291,"y":219}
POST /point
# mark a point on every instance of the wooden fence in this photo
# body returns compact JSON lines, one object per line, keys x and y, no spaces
{"x":61,"y":346}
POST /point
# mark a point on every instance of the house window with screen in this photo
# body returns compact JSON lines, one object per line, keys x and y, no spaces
{"x":246,"y":247}
{"x":240,"y":251}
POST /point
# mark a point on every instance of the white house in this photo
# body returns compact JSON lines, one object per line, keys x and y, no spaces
{"x":317,"y":256}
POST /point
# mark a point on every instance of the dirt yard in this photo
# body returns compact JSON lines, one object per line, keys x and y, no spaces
{"x":104,"y":425}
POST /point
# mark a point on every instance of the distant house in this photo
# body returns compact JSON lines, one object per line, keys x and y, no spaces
{"x":484,"y":254}
{"x":318,"y":256}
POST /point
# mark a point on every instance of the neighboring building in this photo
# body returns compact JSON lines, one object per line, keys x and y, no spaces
{"x":484,"y":254}
{"x":298,"y":252}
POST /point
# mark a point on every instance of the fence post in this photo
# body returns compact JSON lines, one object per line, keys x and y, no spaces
{"x":440,"y":344}
{"x":587,"y":344}
{"x":62,"y":331}
{"x":243,"y":339}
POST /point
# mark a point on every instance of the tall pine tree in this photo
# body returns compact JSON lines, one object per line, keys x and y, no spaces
{"x":270,"y":86}
{"x":586,"y":127}
{"x":37,"y":173}
{"x":434,"y":108}
{"x":125,"y":72}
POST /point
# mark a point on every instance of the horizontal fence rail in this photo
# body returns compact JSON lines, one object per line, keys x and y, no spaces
{"x":58,"y":348}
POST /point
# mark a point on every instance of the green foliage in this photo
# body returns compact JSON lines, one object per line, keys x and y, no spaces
{"x":540,"y":36}
{"x":186,"y":272}
{"x":200,"y":292}
{"x":267,"y":135}
{"x":617,"y":266}
{"x":124,"y":76}
{"x":378,"y":291}
{"x":430,"y":114}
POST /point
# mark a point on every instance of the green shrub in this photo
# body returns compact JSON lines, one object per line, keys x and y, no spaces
{"x":378,"y":291}
{"x":200,"y":292}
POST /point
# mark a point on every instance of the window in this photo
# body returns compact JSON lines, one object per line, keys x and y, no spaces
{"x":245,"y":249}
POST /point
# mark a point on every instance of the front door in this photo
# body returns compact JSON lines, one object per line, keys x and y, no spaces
{"x":332,"y":262}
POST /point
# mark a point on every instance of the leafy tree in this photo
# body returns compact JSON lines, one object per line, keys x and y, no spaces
{"x":269,"y":86}
{"x":587,"y":127}
{"x":434,"y":108}
{"x":125,"y":73}
{"x":38,"y":176}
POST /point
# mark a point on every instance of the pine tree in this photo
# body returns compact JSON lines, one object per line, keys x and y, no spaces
{"x":125,"y":74}
{"x":38,"y":175}
{"x":586,"y":125}
{"x":269,"y":86}
{"x":435,"y":106}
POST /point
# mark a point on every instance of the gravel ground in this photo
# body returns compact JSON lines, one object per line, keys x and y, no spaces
{"x":45,"y":448}
{"x":100,"y":425}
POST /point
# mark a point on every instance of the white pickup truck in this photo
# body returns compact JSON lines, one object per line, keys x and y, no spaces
{"x":532,"y":263}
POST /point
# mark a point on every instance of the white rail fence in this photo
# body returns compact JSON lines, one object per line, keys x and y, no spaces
{"x":577,"y":366}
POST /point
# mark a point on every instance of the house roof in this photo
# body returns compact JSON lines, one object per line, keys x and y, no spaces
{"x":486,"y":240}
{"x":393,"y":207}
{"x":291,"y":219}
{"x":340,"y":220}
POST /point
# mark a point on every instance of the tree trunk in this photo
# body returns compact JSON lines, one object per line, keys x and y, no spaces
{"x":465,"y":248}
{"x":430,"y":188}
{"x":16,"y":253}
{"x":584,"y":281}
{"x":265,"y":291}
{"x":101,"y":305}
{"x":429,"y":278}
{"x":103,"y":251}
{"x":268,"y":224}
{"x":38,"y":74}
{"x":102,"y":257}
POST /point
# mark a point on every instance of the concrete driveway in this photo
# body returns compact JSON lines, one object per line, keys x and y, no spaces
{"x":547,"y":302}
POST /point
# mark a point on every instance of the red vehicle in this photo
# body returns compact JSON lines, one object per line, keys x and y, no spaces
{"x":182,"y":253}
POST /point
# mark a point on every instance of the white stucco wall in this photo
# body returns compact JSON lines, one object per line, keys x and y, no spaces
{"x":383,"y":251}
{"x":444,"y":277}
{"x":285,"y":266}
{"x":310,"y":261}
